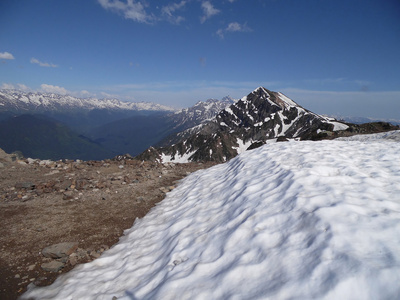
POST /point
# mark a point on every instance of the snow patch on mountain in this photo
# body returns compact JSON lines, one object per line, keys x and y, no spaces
{"x":242,"y":146}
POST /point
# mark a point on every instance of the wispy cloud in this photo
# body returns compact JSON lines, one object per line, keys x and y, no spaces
{"x":6,"y":55}
{"x":233,"y":27}
{"x":169,"y":10}
{"x":48,"y":88}
{"x":134,"y":10}
{"x":42,"y":64}
{"x":208,"y":11}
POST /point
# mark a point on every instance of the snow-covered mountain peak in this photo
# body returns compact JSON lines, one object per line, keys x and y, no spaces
{"x":260,"y":116}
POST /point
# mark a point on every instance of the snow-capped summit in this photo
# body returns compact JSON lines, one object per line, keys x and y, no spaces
{"x":260,"y":116}
{"x":19,"y":101}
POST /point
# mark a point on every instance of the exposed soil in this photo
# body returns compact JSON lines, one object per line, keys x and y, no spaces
{"x":44,"y":203}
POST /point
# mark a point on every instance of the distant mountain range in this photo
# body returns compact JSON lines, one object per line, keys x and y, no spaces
{"x":51,"y":126}
{"x":261,"y":116}
{"x":362,"y":120}
{"x":18,"y":101}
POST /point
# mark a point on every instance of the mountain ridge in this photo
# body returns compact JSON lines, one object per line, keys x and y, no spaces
{"x":15,"y":100}
{"x":260,"y":117}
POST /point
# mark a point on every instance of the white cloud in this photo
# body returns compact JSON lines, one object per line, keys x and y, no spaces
{"x":209,"y":10}
{"x":47,"y":88}
{"x":42,"y":64}
{"x":6,"y":55}
{"x":169,"y":10}
{"x":18,"y":86}
{"x":130,"y":10}
{"x":8,"y":86}
{"x":233,"y":27}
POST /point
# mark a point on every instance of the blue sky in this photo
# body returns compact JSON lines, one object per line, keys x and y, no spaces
{"x":333,"y":57}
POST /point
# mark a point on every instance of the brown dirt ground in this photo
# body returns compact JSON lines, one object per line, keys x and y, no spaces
{"x":91,"y":203}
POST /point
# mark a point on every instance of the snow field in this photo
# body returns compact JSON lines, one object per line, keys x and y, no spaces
{"x":299,"y":220}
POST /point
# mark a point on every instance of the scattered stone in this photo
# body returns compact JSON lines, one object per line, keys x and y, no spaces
{"x":65,"y":184}
{"x":73,"y":259}
{"x":63,"y":259}
{"x":25,"y":198}
{"x":39,"y":281}
{"x":94,"y":254}
{"x":68,"y":195}
{"x":25,"y":185}
{"x":31,"y":267}
{"x":53,"y":266}
{"x":103,"y":248}
{"x":164,"y":190}
{"x":60,"y":250}
{"x":82,"y":254}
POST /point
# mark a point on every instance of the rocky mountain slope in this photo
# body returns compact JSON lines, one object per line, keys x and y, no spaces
{"x":190,"y":120}
{"x":257,"y":118}
{"x":90,"y":203}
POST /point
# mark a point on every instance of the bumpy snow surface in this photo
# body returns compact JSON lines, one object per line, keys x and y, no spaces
{"x":295,"y":220}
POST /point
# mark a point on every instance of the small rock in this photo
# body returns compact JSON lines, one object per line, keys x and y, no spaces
{"x":104,"y":248}
{"x":73,"y":259}
{"x":60,"y":250}
{"x":65,"y":184}
{"x":17,"y":276}
{"x":68,"y":195}
{"x":94,"y":254}
{"x":82,"y":254}
{"x":25,"y":185}
{"x":64,"y":259}
{"x":39,"y":281}
{"x":53,"y":266}
{"x":31,"y":267}
{"x":25,"y":198}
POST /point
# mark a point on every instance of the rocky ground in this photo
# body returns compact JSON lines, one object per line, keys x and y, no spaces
{"x":85,"y":206}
